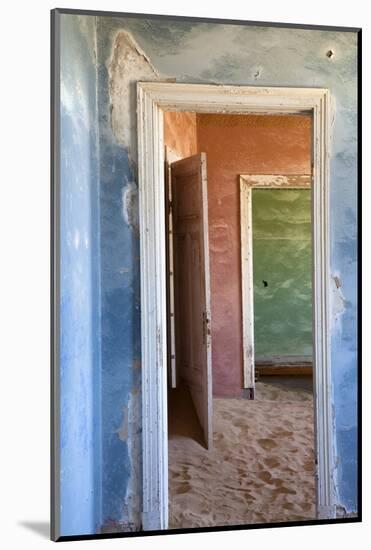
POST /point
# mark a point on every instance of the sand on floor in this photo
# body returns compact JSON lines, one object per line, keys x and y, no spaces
{"x":261,"y":467}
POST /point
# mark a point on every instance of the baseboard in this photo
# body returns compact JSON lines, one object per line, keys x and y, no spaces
{"x":290,"y":365}
{"x":283,"y":370}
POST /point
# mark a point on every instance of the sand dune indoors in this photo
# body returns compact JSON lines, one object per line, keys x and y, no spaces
{"x":261,"y":467}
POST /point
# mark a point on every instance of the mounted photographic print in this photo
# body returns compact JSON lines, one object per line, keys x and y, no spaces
{"x":205,"y":189}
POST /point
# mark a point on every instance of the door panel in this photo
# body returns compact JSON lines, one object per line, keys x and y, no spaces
{"x":170,"y":157}
{"x":192,"y":284}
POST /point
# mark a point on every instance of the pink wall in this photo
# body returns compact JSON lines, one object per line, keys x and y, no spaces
{"x":235,"y":144}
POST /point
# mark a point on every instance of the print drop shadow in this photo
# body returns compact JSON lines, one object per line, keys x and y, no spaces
{"x":41,"y":528}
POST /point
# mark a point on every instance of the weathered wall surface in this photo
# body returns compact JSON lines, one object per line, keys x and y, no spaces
{"x":240,"y":145}
{"x":80,"y":425}
{"x":210,"y":53}
{"x":237,"y":145}
{"x":180,"y":133}
{"x":120,"y":63}
{"x":282,"y":249}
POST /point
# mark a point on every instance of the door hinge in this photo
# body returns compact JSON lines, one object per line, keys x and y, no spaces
{"x":205,"y":327}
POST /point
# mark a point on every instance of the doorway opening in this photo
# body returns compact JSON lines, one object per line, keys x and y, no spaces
{"x":240,"y":400}
{"x":196,"y":355}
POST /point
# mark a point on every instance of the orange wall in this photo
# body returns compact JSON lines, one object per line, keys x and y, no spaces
{"x":180,"y":133}
{"x":235,"y":144}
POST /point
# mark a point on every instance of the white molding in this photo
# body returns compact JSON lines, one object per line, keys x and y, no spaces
{"x":153,"y":313}
{"x":153,"y":99}
{"x":276,"y":181}
{"x":247,"y":282}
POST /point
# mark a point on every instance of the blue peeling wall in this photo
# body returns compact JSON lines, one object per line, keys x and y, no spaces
{"x":105,"y":272}
{"x":263,"y":56}
{"x":120,"y":285}
{"x":80,"y":288}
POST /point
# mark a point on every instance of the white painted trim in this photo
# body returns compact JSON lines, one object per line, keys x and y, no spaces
{"x":153,"y":314}
{"x":153,"y":99}
{"x":247,"y":280}
{"x":276,"y":181}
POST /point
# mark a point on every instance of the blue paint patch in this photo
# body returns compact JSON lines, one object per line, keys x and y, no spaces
{"x":120,"y":291}
{"x":347,"y":474}
{"x":80,"y":424}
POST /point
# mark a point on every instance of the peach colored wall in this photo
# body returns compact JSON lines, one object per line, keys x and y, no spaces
{"x":180,"y":133}
{"x":235,"y":145}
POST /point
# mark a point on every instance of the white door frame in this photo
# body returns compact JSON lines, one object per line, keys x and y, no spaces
{"x":247,"y":183}
{"x":153,"y":100}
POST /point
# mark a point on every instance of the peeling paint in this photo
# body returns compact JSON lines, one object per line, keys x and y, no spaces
{"x":132,"y":506}
{"x":128,"y":432}
{"x":127,"y":65}
{"x":337,"y":300}
{"x":130,"y":205}
{"x":123,"y":429}
{"x":257,"y":72}
{"x":279,"y":181}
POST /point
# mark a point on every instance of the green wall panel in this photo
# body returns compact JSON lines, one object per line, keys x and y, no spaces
{"x":282,"y":271}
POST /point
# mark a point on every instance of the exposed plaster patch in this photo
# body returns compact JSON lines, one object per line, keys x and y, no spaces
{"x":128,"y":65}
{"x":274,"y":180}
{"x":132,"y":504}
{"x":130,"y":205}
{"x":335,"y":454}
{"x":337,"y":300}
{"x":123,"y":429}
{"x":130,"y":433}
{"x":341,"y":512}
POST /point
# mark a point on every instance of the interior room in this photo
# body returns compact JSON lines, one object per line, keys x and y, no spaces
{"x":239,"y":321}
{"x":121,"y":454}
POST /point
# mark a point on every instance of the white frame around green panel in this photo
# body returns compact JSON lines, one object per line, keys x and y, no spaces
{"x":248,"y":182}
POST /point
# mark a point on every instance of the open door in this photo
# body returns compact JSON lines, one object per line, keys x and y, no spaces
{"x":192,"y":284}
{"x":170,"y":157}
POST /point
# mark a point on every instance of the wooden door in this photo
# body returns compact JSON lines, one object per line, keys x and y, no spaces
{"x":192,"y":284}
{"x":170,"y":157}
